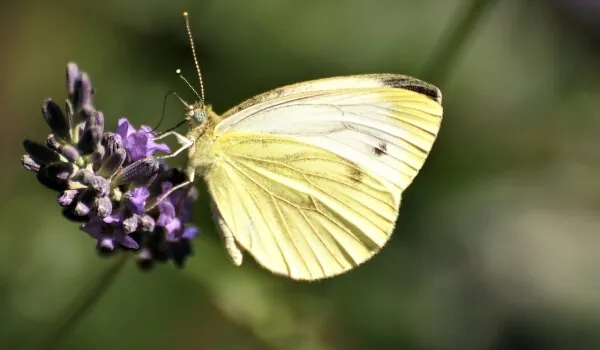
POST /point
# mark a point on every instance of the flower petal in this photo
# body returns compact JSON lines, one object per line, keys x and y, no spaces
{"x":40,"y":153}
{"x":114,"y":218}
{"x":190,"y":232}
{"x":111,"y":142}
{"x":69,"y":214}
{"x":136,"y":199}
{"x":94,"y":227}
{"x":103,"y":206}
{"x":151,"y":145}
{"x":100,"y":185}
{"x":126,"y":241}
{"x":96,"y":119}
{"x":67,"y":197}
{"x":113,"y":163}
{"x":67,"y":150}
{"x":147,"y":223}
{"x":105,"y":244}
{"x":56,"y":175}
{"x":130,"y":224}
{"x":124,"y":128}
{"x":90,"y":139}
{"x":85,"y":203}
{"x":167,"y":213}
{"x":72,"y":74}
{"x":172,"y":227}
{"x":58,"y":122}
{"x":82,"y":92}
{"x":30,"y":164}
{"x":137,"y":146}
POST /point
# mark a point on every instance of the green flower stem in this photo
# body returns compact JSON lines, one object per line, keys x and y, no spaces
{"x":72,"y":314}
{"x":450,"y":45}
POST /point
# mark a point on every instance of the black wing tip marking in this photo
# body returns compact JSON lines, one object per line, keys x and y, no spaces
{"x":412,"y":84}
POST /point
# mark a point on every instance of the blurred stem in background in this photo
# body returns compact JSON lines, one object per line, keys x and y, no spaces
{"x":77,"y":310}
{"x":436,"y":71}
{"x":451,"y":44}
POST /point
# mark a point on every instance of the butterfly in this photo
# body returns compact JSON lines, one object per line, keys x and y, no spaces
{"x":308,"y":178}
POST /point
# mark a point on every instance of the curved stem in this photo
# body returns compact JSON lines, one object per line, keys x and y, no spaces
{"x":451,"y":44}
{"x":81,"y":305}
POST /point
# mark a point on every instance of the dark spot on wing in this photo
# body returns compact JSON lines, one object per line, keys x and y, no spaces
{"x":380,"y":149}
{"x":355,"y":173}
{"x":412,"y":84}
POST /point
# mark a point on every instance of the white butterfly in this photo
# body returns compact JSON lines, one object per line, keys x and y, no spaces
{"x":308,"y":178}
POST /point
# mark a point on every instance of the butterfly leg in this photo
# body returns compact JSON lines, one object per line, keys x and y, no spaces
{"x":182,"y":140}
{"x":190,"y":174}
{"x":163,"y":196}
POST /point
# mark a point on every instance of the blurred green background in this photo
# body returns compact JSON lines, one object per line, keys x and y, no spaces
{"x":497,"y":245}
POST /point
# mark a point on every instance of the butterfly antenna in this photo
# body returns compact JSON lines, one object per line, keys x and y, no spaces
{"x":189,"y":31}
{"x":178,"y":71}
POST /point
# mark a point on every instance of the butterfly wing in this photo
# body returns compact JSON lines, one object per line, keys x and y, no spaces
{"x":308,"y":178}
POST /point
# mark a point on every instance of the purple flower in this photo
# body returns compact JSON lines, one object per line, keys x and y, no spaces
{"x":136,"y":199}
{"x":174,"y":210}
{"x":168,"y":216}
{"x":108,"y":234}
{"x":189,"y":232}
{"x":140,"y":143}
{"x":171,"y":239}
{"x":109,"y":180}
{"x":82,"y":161}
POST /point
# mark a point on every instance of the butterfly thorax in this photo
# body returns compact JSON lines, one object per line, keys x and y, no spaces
{"x":202,"y":132}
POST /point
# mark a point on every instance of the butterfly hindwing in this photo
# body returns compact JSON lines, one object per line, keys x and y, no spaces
{"x":301,"y":211}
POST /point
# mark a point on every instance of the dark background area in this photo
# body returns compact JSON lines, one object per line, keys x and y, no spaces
{"x":497,"y":242}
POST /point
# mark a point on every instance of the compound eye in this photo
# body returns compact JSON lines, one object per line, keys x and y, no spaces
{"x":200,"y":116}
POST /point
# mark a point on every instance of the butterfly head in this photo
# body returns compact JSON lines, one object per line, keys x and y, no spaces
{"x":196,"y":114}
{"x":199,"y":116}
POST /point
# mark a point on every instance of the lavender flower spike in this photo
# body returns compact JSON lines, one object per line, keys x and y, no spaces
{"x":106,"y":179}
